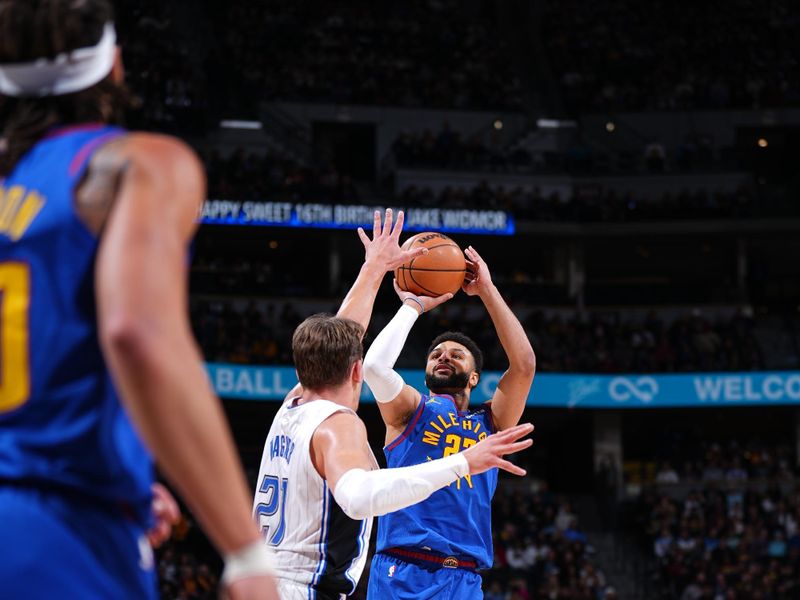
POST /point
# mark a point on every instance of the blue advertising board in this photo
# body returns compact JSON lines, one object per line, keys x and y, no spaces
{"x":347,"y":216}
{"x":559,"y":390}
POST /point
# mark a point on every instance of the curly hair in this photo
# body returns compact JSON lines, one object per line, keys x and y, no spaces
{"x":32,"y":29}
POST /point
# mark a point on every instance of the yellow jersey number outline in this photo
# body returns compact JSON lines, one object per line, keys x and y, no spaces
{"x":454,"y":446}
{"x":15,"y":379}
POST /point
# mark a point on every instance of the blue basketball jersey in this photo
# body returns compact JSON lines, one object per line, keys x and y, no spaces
{"x":456,"y":520}
{"x":62,"y":427}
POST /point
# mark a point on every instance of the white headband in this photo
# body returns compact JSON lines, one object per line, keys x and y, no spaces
{"x":66,"y":73}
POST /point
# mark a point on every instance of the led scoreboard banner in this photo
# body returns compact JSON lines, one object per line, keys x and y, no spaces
{"x":352,"y":216}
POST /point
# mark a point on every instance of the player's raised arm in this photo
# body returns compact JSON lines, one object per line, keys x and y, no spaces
{"x":397,"y":401}
{"x":340,"y":453}
{"x":146,"y":337}
{"x":512,"y":391}
{"x":382,"y":253}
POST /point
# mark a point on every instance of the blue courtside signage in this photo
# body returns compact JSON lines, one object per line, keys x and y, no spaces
{"x":273,"y":383}
{"x":656,"y":391}
{"x":559,"y":390}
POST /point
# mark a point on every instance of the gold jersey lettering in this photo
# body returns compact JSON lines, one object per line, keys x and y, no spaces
{"x":18,"y":209}
{"x":9,"y":202}
{"x":429,"y":437}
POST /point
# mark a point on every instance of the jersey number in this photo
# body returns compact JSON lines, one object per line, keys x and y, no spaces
{"x":15,"y":378}
{"x":455,"y":443}
{"x":275,"y":491}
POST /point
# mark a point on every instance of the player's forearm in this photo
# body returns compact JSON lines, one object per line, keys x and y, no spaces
{"x":167,"y":395}
{"x":358,"y":303}
{"x":365,"y":494}
{"x":379,"y":372}
{"x":512,"y":335}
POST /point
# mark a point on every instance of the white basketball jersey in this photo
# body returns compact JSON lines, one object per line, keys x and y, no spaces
{"x":316,"y":545}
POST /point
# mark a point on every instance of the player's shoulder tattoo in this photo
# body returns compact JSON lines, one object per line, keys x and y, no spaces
{"x":97,"y":190}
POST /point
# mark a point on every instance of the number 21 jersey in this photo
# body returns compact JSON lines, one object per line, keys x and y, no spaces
{"x":316,"y":545}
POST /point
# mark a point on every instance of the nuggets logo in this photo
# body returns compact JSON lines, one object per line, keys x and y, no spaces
{"x":391,"y":571}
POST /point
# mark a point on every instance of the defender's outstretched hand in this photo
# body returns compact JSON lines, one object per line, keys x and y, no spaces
{"x":420,"y":303}
{"x":489,"y":452}
{"x":382,"y":254}
{"x":384,"y":248}
{"x":477,"y":279}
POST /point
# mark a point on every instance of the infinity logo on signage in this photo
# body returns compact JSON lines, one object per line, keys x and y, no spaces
{"x":622,"y":389}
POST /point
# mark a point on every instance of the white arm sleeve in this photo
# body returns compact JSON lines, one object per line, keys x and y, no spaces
{"x":379,"y":372}
{"x":366,"y":494}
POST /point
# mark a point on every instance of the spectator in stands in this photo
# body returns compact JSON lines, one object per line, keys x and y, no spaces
{"x":188,"y":567}
{"x":697,"y":589}
{"x":746,"y":551}
{"x":655,"y":157}
{"x":736,"y":474}
{"x":495,"y":592}
{"x":170,"y":91}
{"x":564,"y":518}
{"x":541,"y":555}
{"x":515,"y":557}
{"x":612,"y":57}
{"x":663,"y":543}
{"x":713,"y":472}
{"x":667,"y":475}
{"x":417,"y":53}
{"x":233,"y":332}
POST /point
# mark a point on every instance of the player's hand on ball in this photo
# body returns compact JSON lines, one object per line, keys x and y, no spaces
{"x":489,"y":452}
{"x":477,"y":279}
{"x":384,"y":248}
{"x":420,"y":303}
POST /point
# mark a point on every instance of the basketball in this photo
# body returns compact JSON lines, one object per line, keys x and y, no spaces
{"x":438,"y":272}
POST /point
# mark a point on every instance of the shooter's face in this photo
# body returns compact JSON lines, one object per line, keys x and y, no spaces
{"x":450,"y":367}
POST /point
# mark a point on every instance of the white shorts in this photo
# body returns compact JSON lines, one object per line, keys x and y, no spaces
{"x":291,"y":590}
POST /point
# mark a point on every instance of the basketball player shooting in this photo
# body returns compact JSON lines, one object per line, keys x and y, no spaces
{"x":98,"y":363}
{"x":319,"y":485}
{"x":433,"y":549}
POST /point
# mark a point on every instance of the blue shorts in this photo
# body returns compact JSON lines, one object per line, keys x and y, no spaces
{"x":52,"y":547}
{"x":392,"y":578}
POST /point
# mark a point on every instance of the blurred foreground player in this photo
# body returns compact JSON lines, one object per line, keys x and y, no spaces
{"x":319,"y":485}
{"x":434,"y":549}
{"x":94,"y":227}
